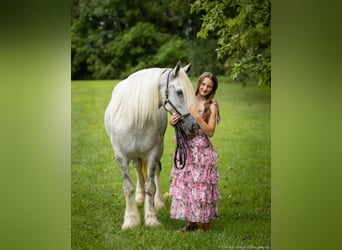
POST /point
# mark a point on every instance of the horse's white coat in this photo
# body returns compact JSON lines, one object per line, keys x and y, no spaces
{"x":135,"y":123}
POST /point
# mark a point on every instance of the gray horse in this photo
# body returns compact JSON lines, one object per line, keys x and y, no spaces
{"x":135,"y":121}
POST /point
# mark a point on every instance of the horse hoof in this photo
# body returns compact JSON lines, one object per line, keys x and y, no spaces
{"x":152,"y":222}
{"x":130,"y":222}
{"x":126,"y":226}
{"x":159,"y":204}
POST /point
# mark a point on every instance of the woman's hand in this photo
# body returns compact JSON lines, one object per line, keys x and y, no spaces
{"x":193,"y":109}
{"x":174,"y":119}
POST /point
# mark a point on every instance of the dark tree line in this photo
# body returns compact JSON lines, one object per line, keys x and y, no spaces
{"x":112,"y":38}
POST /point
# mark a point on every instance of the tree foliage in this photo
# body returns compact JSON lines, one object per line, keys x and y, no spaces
{"x":113,"y":38}
{"x":243,"y":30}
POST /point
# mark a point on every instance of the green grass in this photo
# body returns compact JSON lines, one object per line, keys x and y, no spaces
{"x":242,"y":141}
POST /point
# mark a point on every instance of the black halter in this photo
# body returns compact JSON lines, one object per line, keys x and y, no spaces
{"x":167,"y":101}
{"x":180,"y":156}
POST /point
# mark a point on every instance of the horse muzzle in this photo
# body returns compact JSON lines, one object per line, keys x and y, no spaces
{"x":190,"y":125}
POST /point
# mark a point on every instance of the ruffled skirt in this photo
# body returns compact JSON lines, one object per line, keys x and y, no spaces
{"x":194,"y":190}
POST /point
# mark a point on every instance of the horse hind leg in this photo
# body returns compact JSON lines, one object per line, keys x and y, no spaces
{"x":140,"y":168}
{"x":132,"y":216}
{"x":158,"y":198}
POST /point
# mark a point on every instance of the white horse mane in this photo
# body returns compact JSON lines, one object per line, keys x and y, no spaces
{"x":135,"y":100}
{"x":188,"y":90}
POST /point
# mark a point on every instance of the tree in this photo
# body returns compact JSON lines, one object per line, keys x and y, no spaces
{"x":113,"y":38}
{"x":243,"y":29}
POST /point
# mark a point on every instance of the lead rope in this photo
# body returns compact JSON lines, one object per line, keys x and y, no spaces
{"x":181,"y":148}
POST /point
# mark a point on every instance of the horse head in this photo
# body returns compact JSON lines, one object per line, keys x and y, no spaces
{"x":179,"y":94}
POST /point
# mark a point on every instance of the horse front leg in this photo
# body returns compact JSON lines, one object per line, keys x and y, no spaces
{"x":150,"y":191}
{"x":132,"y":217}
{"x":158,"y":197}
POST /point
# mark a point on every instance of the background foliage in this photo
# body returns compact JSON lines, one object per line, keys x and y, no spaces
{"x":113,"y":38}
{"x":243,"y":31}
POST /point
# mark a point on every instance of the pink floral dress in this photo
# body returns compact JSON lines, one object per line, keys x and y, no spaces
{"x":193,"y":189}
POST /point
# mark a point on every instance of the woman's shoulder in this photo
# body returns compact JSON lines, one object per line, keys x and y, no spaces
{"x":214,"y":104}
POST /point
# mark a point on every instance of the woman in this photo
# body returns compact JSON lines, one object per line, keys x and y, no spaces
{"x":194,"y":190}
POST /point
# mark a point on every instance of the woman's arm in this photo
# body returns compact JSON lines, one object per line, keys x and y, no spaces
{"x":208,"y":128}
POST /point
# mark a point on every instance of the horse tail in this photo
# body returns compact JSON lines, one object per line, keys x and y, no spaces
{"x":144,"y":170}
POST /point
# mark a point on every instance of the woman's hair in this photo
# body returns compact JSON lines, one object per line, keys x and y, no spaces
{"x":209,"y":97}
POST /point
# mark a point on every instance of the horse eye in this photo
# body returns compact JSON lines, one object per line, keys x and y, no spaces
{"x":180,"y":93}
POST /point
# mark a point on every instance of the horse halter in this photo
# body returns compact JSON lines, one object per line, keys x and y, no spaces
{"x":180,"y":156}
{"x":167,"y":101}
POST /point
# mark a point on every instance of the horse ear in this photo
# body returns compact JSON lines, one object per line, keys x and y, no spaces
{"x":176,"y":69}
{"x":187,"y":67}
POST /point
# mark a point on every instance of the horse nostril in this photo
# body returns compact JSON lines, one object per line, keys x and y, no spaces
{"x":194,"y":127}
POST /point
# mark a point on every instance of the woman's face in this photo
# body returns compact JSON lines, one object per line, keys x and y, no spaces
{"x":206,"y":87}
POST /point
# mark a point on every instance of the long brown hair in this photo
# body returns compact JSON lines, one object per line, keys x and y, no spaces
{"x":209,"y":97}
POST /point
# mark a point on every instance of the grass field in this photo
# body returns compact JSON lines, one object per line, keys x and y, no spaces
{"x":243,"y":142}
